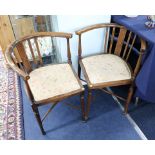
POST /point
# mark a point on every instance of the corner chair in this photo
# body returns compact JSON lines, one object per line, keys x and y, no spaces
{"x":44,"y":84}
{"x":111,"y":67}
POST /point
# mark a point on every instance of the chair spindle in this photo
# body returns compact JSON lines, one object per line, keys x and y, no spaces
{"x":112,"y":39}
{"x":127,"y":44}
{"x":120,"y":41}
{"x":24,"y":58}
{"x":38,"y":51}
{"x":106,"y":39}
{"x":31,"y":50}
{"x":133,"y":41}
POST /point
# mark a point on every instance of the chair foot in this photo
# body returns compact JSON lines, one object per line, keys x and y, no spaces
{"x":136,"y":101}
{"x":83,"y":120}
{"x":43,"y":132}
{"x":86,"y":118}
{"x":37,"y":115}
{"x":125,"y":112}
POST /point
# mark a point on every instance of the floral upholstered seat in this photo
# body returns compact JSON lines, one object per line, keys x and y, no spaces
{"x":106,"y":68}
{"x":53,"y":81}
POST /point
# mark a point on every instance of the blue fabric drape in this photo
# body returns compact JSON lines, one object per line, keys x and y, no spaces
{"x":145,"y":80}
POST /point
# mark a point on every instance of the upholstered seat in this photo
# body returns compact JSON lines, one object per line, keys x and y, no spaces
{"x":53,"y":81}
{"x":106,"y":68}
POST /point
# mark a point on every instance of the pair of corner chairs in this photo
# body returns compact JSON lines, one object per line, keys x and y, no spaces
{"x":53,"y":83}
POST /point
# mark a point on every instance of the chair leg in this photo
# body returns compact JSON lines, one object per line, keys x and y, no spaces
{"x":79,"y":71}
{"x":37,"y":115}
{"x":88,"y":104}
{"x":136,"y":101}
{"x":82,"y":106}
{"x":130,"y":93}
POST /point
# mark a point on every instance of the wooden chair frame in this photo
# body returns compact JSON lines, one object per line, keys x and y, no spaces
{"x":17,"y":59}
{"x":117,"y":51}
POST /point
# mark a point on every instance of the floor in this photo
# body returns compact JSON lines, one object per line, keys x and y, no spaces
{"x":143,"y":114}
{"x":107,"y":121}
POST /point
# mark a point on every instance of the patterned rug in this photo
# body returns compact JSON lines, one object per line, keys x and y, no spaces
{"x":11,"y":123}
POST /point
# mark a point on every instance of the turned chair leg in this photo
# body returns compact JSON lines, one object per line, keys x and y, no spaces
{"x":130,"y":93}
{"x":37,"y":115}
{"x":88,"y":104}
{"x":82,"y":106}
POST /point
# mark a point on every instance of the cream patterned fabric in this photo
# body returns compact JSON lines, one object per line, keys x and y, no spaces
{"x":53,"y":80}
{"x":106,"y":68}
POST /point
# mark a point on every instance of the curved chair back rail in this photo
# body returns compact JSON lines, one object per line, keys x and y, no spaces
{"x":97,"y":26}
{"x":17,"y":57}
{"x":118,"y":40}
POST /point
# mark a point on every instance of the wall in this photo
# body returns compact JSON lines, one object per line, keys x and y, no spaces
{"x":92,"y":41}
{"x":6,"y":33}
{"x":22,"y":26}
